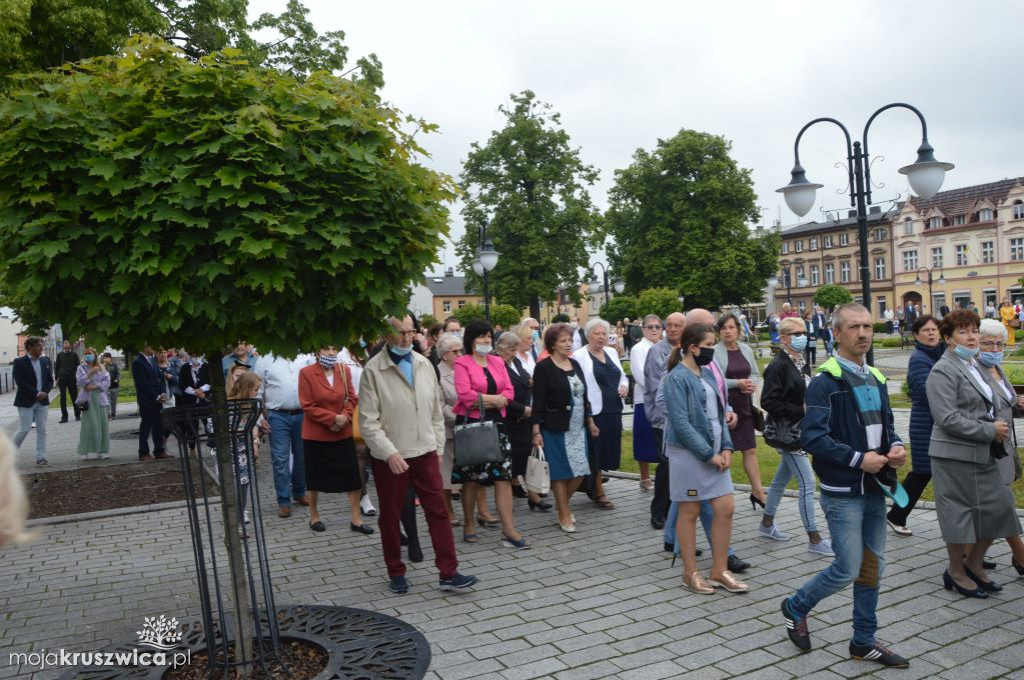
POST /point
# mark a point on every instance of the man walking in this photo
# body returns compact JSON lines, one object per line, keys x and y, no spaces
{"x":149,"y":393}
{"x":821,"y":327}
{"x":66,"y":366}
{"x":654,"y":372}
{"x":33,"y":377}
{"x":401,"y":422}
{"x":848,"y":430}
{"x":280,"y":394}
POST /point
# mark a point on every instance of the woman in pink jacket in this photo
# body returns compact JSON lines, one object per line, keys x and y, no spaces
{"x":480,"y":374}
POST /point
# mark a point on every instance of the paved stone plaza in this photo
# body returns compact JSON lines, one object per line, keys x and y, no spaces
{"x":602,"y":603}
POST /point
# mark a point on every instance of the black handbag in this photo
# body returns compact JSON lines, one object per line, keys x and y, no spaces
{"x":477,"y":443}
{"x":783,"y":435}
{"x":758,"y":418}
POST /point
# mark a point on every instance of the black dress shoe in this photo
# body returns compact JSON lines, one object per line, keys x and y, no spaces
{"x":415,"y":553}
{"x":543,"y":506}
{"x":988,"y":586}
{"x":317,"y":526}
{"x":658,"y":523}
{"x":950,"y":584}
{"x":519,"y":492}
{"x":402,"y":539}
{"x":361,"y":529}
{"x":988,"y":566}
{"x":736,"y":565}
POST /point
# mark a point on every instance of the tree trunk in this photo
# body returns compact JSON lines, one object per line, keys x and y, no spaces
{"x":535,"y":306}
{"x":239,"y":590}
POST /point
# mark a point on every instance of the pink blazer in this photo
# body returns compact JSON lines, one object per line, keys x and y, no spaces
{"x":470,"y":382}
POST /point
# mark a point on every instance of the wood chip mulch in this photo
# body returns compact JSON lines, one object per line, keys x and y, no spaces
{"x":304,"y":660}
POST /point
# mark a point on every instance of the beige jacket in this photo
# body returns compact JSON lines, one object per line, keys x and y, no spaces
{"x":394,"y":417}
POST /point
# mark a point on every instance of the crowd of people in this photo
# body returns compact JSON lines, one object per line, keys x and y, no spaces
{"x":393,"y":409}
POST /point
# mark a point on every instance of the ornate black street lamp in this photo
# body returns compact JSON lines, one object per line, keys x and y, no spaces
{"x":942,"y":282}
{"x":618,"y":285}
{"x":486,"y":260}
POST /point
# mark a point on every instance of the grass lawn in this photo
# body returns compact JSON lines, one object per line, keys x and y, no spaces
{"x":768,"y":461}
{"x":126,"y":395}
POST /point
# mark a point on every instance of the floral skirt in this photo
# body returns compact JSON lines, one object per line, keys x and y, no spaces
{"x":487,"y":473}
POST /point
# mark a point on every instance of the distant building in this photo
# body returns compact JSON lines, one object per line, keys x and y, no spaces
{"x":449,"y":293}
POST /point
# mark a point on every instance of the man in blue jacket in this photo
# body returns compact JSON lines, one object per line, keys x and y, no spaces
{"x":848,"y":430}
{"x":149,"y":393}
{"x":33,"y":376}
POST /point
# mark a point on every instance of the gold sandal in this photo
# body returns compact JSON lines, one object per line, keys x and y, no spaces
{"x":603,"y":503}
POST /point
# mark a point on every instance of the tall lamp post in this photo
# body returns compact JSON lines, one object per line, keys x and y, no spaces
{"x":942,"y":282}
{"x":618,"y":284}
{"x":486,"y":260}
{"x":925,"y":177}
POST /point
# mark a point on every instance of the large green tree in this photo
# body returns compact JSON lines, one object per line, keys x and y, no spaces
{"x":678,"y":219}
{"x":530,"y":184}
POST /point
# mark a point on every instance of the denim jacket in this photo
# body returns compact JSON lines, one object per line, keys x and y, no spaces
{"x":686,"y":421}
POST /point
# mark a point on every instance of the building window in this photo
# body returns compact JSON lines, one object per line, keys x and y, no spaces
{"x":934,"y":222}
{"x":815,"y":275}
{"x":881,"y":307}
{"x":1017,"y":249}
{"x":446,"y":306}
{"x":1018,"y":210}
{"x":844,"y":272}
{"x":785,"y":247}
{"x":988,"y":252}
{"x":937,"y":257}
{"x":910,"y":261}
{"x":879,"y":267}
{"x":881,"y":234}
{"x":462,"y":303}
{"x":826,"y":241}
{"x":961,"y":300}
{"x":990,"y":300}
{"x":959,"y":219}
{"x":908,"y":227}
{"x":844,"y":239}
{"x":830,"y":273}
{"x":800,"y":246}
{"x":799,"y":274}
{"x":961,"y":255}
{"x":985,"y":215}
{"x":802,"y":306}
{"x":812,"y":244}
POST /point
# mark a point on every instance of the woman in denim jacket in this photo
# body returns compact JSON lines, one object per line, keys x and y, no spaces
{"x":699,"y":453}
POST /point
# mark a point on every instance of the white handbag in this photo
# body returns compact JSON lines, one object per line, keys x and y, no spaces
{"x":538,"y":476}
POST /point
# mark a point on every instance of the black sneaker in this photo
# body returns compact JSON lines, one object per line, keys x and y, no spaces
{"x":797,"y":628}
{"x":457,"y":582}
{"x":877,"y":652}
{"x":736,"y":565}
{"x":398,"y":585}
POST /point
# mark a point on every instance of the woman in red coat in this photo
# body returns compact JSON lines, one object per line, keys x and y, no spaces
{"x":328,"y":400}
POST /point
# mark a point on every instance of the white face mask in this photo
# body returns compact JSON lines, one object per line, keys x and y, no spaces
{"x":483,"y":349}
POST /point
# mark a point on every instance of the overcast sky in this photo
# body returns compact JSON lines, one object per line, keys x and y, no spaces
{"x":626,"y":74}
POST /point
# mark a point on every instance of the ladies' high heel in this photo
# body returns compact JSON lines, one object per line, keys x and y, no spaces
{"x":519,"y":492}
{"x":754,"y":502}
{"x":1018,"y":567}
{"x":989,"y":586}
{"x":950,"y":584}
{"x":539,"y":505}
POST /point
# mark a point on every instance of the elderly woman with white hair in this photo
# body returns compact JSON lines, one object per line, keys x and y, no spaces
{"x":607,"y":385}
{"x":448,"y":349}
{"x":991,"y":345}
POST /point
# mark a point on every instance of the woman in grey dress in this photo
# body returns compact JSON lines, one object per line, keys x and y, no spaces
{"x":973,"y":504}
{"x":699,"y":452}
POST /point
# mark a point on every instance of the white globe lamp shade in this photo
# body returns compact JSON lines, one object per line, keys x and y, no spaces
{"x":478,"y":267}
{"x":927,"y":174}
{"x":488,"y":256}
{"x":619,"y":286}
{"x":799,"y":193}
{"x":595,"y":287}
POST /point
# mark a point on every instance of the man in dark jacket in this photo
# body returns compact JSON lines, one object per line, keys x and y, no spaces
{"x":149,"y":393}
{"x":66,"y":366}
{"x":33,"y":376}
{"x":848,"y":429}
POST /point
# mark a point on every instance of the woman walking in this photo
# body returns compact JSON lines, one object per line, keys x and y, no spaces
{"x":606,"y":386}
{"x":481,"y":379}
{"x":973,"y":503}
{"x":561,"y":418}
{"x":736,"y":362}
{"x":328,"y":400}
{"x":93,"y":383}
{"x":245,"y":386}
{"x":928,"y":348}
{"x":785,"y":384}
{"x":699,"y":452}
{"x":1008,"y":316}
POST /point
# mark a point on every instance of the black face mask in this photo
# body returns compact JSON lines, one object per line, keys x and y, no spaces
{"x":706,"y":356}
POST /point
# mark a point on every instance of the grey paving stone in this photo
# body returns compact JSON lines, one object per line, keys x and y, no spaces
{"x":655,"y":671}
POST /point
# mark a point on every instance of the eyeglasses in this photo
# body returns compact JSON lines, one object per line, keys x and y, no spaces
{"x":404,"y":332}
{"x":798,"y":333}
{"x":991,"y":344}
{"x":653,"y":328}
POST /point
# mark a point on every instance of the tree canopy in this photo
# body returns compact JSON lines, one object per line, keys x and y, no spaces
{"x":677,"y":219}
{"x":531,"y":186}
{"x":145,"y":196}
{"x":830,"y":296}
{"x":619,"y":307}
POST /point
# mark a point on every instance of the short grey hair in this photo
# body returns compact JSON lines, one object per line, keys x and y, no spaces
{"x":447,"y":342}
{"x":594,"y":323}
{"x":507,"y":340}
{"x":651,"y":317}
{"x":993,"y":328}
{"x":840,"y":312}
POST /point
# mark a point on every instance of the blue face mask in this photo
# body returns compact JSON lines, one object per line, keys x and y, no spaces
{"x":799,"y":343}
{"x":990,"y":358}
{"x":965,"y":353}
{"x":88,"y":358}
{"x":536,"y":335}
{"x":401,"y":351}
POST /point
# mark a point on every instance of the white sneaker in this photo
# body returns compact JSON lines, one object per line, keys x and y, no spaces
{"x":773,"y":532}
{"x":899,"y":530}
{"x":90,"y":456}
{"x":104,"y":456}
{"x":367,"y":506}
{"x":823,"y":548}
{"x":245,"y":516}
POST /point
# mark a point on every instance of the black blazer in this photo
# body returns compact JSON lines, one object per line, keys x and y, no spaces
{"x":521,"y":397}
{"x":148,"y":381}
{"x":25,"y":379}
{"x":185,"y":380}
{"x":784,"y":388}
{"x":552,"y":399}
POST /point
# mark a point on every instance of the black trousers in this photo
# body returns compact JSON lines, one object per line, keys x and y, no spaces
{"x":914,"y":485}
{"x":151,"y":424}
{"x":661,"y":502}
{"x":68,"y":387}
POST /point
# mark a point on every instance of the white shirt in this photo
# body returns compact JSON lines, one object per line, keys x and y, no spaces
{"x":527,"y":361}
{"x":577,"y":341}
{"x":345,"y":357}
{"x":38,"y":368}
{"x":280,"y":388}
{"x":637,"y":359}
{"x":986,"y":389}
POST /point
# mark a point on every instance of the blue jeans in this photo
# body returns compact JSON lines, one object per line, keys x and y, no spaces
{"x":793,"y":465}
{"x":286,"y":438}
{"x":857,"y":527}
{"x":26,"y":415}
{"x":705,"y":519}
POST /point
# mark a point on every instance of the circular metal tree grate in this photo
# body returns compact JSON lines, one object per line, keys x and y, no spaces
{"x":359,"y":643}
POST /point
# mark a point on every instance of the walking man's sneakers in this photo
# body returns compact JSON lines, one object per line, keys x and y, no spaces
{"x":877,"y":652}
{"x":797,"y":628}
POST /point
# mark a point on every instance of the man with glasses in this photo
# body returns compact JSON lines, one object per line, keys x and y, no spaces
{"x":645,"y":448}
{"x":654,"y":371}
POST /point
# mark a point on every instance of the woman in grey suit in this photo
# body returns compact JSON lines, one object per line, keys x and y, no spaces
{"x":973,"y":504}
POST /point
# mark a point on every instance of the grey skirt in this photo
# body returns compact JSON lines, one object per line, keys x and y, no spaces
{"x":972,"y":502}
{"x":691,"y":479}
